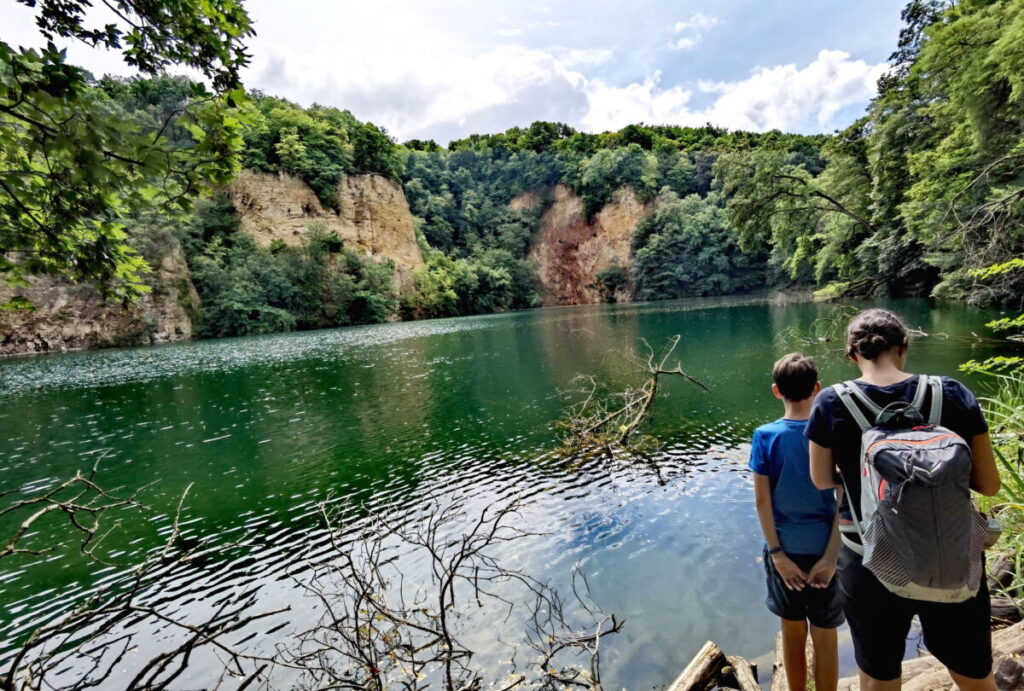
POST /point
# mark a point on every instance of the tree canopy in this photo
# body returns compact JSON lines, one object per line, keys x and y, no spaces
{"x":928,"y":186}
{"x":74,"y":163}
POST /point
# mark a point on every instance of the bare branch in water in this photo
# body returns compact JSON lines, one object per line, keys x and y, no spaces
{"x":79,"y":500}
{"x":98,"y":640}
{"x":377,"y":628}
{"x":380,"y":631}
{"x":606,"y":422}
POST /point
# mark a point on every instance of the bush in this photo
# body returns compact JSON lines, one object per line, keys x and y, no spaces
{"x":246,"y":289}
{"x":611,"y":281}
{"x":490,"y":281}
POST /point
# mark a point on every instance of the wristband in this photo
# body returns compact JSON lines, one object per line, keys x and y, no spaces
{"x":774,"y":550}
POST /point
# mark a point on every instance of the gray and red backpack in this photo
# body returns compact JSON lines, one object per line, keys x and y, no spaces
{"x":920,"y":533}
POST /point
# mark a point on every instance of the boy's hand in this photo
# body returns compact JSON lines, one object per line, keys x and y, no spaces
{"x":792,"y":575}
{"x":822,"y":573}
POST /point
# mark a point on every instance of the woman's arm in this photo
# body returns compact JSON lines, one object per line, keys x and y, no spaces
{"x":984,"y":474}
{"x":823,"y":468}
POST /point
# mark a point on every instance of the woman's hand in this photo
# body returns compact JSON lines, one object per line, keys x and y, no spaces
{"x":792,"y":575}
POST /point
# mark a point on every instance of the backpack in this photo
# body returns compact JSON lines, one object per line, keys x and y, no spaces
{"x":920,"y":533}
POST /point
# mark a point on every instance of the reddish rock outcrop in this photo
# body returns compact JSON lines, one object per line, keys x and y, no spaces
{"x":570,"y":250}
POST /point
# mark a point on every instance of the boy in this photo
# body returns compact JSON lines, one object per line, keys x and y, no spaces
{"x":800,"y":530}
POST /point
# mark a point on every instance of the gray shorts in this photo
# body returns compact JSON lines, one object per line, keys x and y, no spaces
{"x":820,"y":606}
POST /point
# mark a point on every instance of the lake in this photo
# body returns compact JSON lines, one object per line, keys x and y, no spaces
{"x":389,"y":417}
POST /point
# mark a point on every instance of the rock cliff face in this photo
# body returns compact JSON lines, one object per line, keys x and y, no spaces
{"x":570,"y":251}
{"x":75,"y":317}
{"x":374,"y":217}
{"x":374,"y":214}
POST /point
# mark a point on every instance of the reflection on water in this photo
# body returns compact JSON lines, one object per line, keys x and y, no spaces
{"x":388,"y":416}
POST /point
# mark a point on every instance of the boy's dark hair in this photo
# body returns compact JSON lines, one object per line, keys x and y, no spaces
{"x":874,"y":331}
{"x":795,"y":375}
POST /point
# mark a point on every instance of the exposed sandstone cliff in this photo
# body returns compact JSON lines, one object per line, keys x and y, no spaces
{"x":570,"y":251}
{"x":75,"y":317}
{"x":374,"y":214}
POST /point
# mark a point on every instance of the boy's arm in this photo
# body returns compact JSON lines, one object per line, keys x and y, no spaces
{"x":792,"y":575}
{"x":825,"y":568}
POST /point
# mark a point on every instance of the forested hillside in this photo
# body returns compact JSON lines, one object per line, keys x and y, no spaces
{"x":922,"y":191}
{"x":915,"y":198}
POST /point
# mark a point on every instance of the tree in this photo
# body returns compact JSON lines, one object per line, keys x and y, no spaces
{"x":689,"y":251}
{"x":74,"y":164}
{"x":775,"y":203}
{"x":600,"y":175}
{"x":967,"y":196}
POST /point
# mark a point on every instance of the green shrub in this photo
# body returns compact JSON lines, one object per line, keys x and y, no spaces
{"x":611,"y":281}
{"x":246,"y":289}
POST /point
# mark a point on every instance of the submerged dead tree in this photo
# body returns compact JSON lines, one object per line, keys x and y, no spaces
{"x":97,"y":643}
{"x":605,"y":422}
{"x":382,"y":622}
{"x":380,"y":627}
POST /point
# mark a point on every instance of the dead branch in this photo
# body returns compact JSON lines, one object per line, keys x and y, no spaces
{"x":88,"y":646}
{"x":82,"y":503}
{"x":607,"y":422}
{"x":552,"y":634}
{"x":378,"y":630}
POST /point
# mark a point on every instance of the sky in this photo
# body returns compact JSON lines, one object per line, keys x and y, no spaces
{"x":444,"y":69}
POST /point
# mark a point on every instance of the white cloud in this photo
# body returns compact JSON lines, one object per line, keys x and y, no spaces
{"x":500,"y":88}
{"x":698,"y":22}
{"x":692,"y":31}
{"x":686,"y":43}
{"x":614,"y":107}
{"x":509,"y":32}
{"x":785,"y":96}
{"x":591,"y":56}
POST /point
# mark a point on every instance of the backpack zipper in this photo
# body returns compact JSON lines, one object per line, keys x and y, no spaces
{"x":911,"y":442}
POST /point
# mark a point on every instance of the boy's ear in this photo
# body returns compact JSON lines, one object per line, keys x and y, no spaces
{"x":775,"y":390}
{"x":816,"y":390}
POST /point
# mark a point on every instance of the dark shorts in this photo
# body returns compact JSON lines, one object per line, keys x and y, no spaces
{"x":820,"y":606}
{"x":956,"y":633}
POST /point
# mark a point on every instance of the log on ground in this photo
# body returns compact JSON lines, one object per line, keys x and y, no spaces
{"x":712,"y":668}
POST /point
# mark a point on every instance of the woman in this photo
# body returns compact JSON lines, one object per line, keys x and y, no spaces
{"x":956,"y":633}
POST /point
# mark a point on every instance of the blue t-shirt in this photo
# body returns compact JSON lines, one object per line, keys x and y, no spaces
{"x":803,"y":513}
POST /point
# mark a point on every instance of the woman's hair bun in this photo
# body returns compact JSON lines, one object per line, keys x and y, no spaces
{"x":873,"y":332}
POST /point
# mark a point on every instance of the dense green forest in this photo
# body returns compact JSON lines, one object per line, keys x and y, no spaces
{"x":918,"y":197}
{"x":922,"y":191}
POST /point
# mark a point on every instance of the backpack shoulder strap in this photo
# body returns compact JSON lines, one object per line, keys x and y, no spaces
{"x":850,"y":394}
{"x":923,"y":387}
{"x":935,"y":409}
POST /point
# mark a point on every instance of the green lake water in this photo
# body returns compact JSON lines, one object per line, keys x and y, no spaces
{"x":390,"y":416}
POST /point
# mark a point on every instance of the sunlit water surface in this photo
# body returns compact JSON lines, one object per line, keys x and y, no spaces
{"x":388,"y":417}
